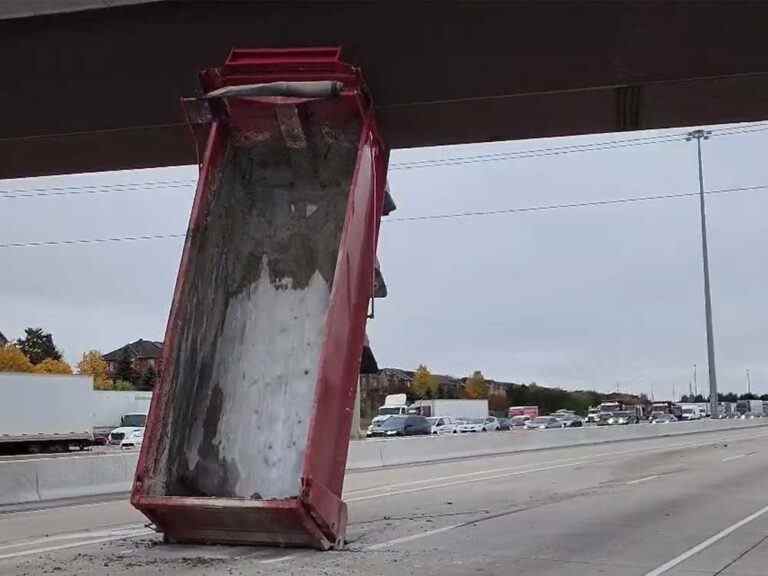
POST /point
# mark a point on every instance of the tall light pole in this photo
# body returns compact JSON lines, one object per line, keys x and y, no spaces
{"x":698,"y":135}
{"x":749,"y":383}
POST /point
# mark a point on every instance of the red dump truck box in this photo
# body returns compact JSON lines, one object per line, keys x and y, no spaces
{"x":249,"y":426}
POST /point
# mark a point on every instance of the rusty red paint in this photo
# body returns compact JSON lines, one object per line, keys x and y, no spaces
{"x":317,"y":517}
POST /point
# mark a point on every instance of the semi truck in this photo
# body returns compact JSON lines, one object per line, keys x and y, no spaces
{"x":749,"y":408}
{"x":397,"y":405}
{"x":462,"y":408}
{"x":53,"y":412}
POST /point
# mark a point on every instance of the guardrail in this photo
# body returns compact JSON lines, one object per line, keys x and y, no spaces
{"x":43,"y":479}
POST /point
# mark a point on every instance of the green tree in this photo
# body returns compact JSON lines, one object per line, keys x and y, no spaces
{"x":424,"y":384}
{"x":38,"y":345}
{"x":125,"y":370}
{"x":476,"y":386}
{"x":148,"y":379}
{"x":122,"y":385}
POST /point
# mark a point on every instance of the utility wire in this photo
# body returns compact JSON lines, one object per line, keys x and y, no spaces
{"x":447,"y":161}
{"x":91,"y":240}
{"x":543,"y":152}
{"x":539,"y":208}
{"x":587,"y":204}
{"x":95,"y":188}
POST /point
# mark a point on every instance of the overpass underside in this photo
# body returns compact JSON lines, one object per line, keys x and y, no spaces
{"x":100,"y":89}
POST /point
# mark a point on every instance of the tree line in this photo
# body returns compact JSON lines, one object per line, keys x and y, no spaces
{"x":36,"y":353}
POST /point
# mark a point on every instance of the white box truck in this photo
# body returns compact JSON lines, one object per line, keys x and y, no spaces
{"x":43,"y":412}
{"x":462,"y":408}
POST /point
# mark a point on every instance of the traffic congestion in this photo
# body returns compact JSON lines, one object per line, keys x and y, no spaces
{"x":452,"y":417}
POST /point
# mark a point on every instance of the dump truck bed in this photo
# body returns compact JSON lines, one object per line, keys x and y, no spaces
{"x":248,"y":434}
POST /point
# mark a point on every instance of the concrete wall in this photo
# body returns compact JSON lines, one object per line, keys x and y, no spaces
{"x":42,"y":479}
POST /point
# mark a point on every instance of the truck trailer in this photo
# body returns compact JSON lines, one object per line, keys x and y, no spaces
{"x":41,"y":412}
{"x":462,"y":408}
{"x":51,"y":412}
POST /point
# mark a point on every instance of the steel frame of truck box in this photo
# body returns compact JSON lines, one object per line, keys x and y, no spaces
{"x":249,"y":426}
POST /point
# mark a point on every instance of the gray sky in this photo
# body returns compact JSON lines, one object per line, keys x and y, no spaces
{"x":578,"y":298}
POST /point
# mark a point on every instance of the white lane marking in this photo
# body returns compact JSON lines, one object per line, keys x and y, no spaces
{"x":116,"y":531}
{"x":736,"y":457}
{"x":412,"y":537}
{"x":45,"y":549}
{"x":707,"y":543}
{"x":641,"y":480}
{"x":517,"y":468}
{"x":466,"y":478}
{"x":280,"y":559}
{"x":465,"y":481}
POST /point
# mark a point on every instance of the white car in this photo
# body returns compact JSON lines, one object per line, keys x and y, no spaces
{"x":133,"y":439}
{"x":117,"y":435}
{"x":471,"y":425}
{"x":491,"y":424}
{"x":443,"y":425}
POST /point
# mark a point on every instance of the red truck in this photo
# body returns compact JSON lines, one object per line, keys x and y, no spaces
{"x":532,"y":411}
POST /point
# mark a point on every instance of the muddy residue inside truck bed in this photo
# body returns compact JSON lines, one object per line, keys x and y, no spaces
{"x":261,"y":268}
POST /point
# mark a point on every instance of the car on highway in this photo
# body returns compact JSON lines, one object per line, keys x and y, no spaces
{"x":623,"y":417}
{"x":490,"y":424}
{"x":662,"y":418}
{"x":133,"y":439}
{"x":603,"y":419}
{"x":442,"y":425}
{"x":471,"y":425}
{"x":504,"y":424}
{"x":543,"y":422}
{"x":410,"y":425}
{"x":519,"y":421}
{"x":570,"y":420}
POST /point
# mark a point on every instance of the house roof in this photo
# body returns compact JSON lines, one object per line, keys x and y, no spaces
{"x":139,"y":349}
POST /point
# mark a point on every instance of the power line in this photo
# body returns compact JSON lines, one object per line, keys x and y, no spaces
{"x":91,"y":240}
{"x":95,"y":188}
{"x":534,"y":153}
{"x":53,"y":191}
{"x":539,"y":208}
{"x":586,"y":204}
{"x":93,"y":191}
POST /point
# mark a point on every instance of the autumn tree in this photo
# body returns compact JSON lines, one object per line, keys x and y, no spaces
{"x":424,"y":385}
{"x":37,"y":345}
{"x":476,"y":386}
{"x":92,"y":364}
{"x":12,"y":359}
{"x":51,"y":366}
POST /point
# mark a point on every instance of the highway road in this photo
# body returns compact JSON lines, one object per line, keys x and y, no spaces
{"x":687,"y":506}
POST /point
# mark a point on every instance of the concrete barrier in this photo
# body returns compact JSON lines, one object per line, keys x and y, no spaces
{"x":44,"y":479}
{"x":376,"y":453}
{"x":51,"y":478}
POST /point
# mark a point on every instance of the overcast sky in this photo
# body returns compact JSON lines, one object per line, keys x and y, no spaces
{"x":594,"y":297}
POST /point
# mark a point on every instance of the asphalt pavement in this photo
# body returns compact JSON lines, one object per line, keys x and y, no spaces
{"x":693,"y":505}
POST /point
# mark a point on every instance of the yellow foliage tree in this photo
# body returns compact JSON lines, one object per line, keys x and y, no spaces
{"x":12,"y":359}
{"x":424,"y":385}
{"x":92,"y":364}
{"x":51,"y":366}
{"x":476,"y":386}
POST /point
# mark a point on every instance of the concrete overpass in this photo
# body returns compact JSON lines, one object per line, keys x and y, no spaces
{"x":95,"y":84}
